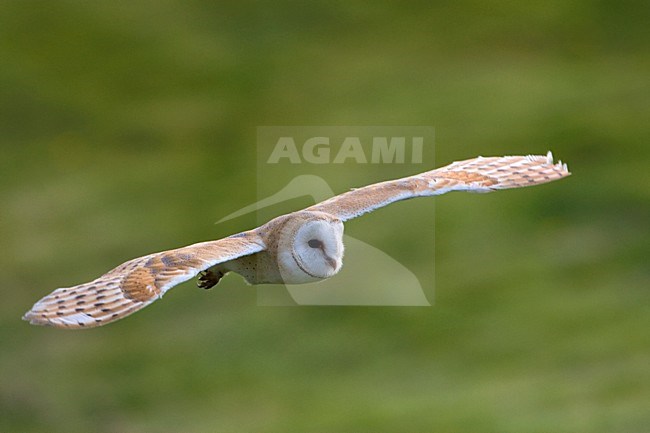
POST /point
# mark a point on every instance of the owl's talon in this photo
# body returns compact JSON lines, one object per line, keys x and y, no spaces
{"x":208,"y":279}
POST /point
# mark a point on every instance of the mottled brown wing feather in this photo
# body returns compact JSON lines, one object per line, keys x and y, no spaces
{"x":137,"y":283}
{"x":474,"y":175}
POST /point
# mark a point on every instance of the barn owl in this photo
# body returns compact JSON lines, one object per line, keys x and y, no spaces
{"x":300,"y":247}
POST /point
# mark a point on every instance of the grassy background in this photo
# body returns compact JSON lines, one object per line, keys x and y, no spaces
{"x":129,"y":127}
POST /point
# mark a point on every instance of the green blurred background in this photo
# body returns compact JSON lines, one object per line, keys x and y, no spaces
{"x":130,"y":127}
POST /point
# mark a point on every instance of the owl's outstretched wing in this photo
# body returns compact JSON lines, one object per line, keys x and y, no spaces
{"x":474,"y":175}
{"x":137,"y":283}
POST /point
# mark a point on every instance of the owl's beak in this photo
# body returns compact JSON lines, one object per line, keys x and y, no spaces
{"x":330,"y":261}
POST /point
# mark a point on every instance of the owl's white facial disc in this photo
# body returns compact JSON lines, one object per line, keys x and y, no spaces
{"x":316,"y":252}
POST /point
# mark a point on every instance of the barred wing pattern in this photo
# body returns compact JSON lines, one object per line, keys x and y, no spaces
{"x":473,"y":175}
{"x":137,"y":283}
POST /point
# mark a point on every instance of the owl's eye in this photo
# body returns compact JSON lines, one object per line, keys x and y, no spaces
{"x":314,"y":243}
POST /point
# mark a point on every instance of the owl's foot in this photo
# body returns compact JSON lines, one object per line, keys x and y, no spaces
{"x":208,"y":279}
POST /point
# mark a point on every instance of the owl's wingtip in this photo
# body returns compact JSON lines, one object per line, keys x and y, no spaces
{"x":35,"y":319}
{"x":28,"y":316}
{"x":32,"y":319}
{"x":560,"y":165}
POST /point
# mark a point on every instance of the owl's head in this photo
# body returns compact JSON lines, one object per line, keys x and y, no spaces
{"x":310,"y":248}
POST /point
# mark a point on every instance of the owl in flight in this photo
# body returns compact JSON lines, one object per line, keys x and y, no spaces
{"x":300,"y":247}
